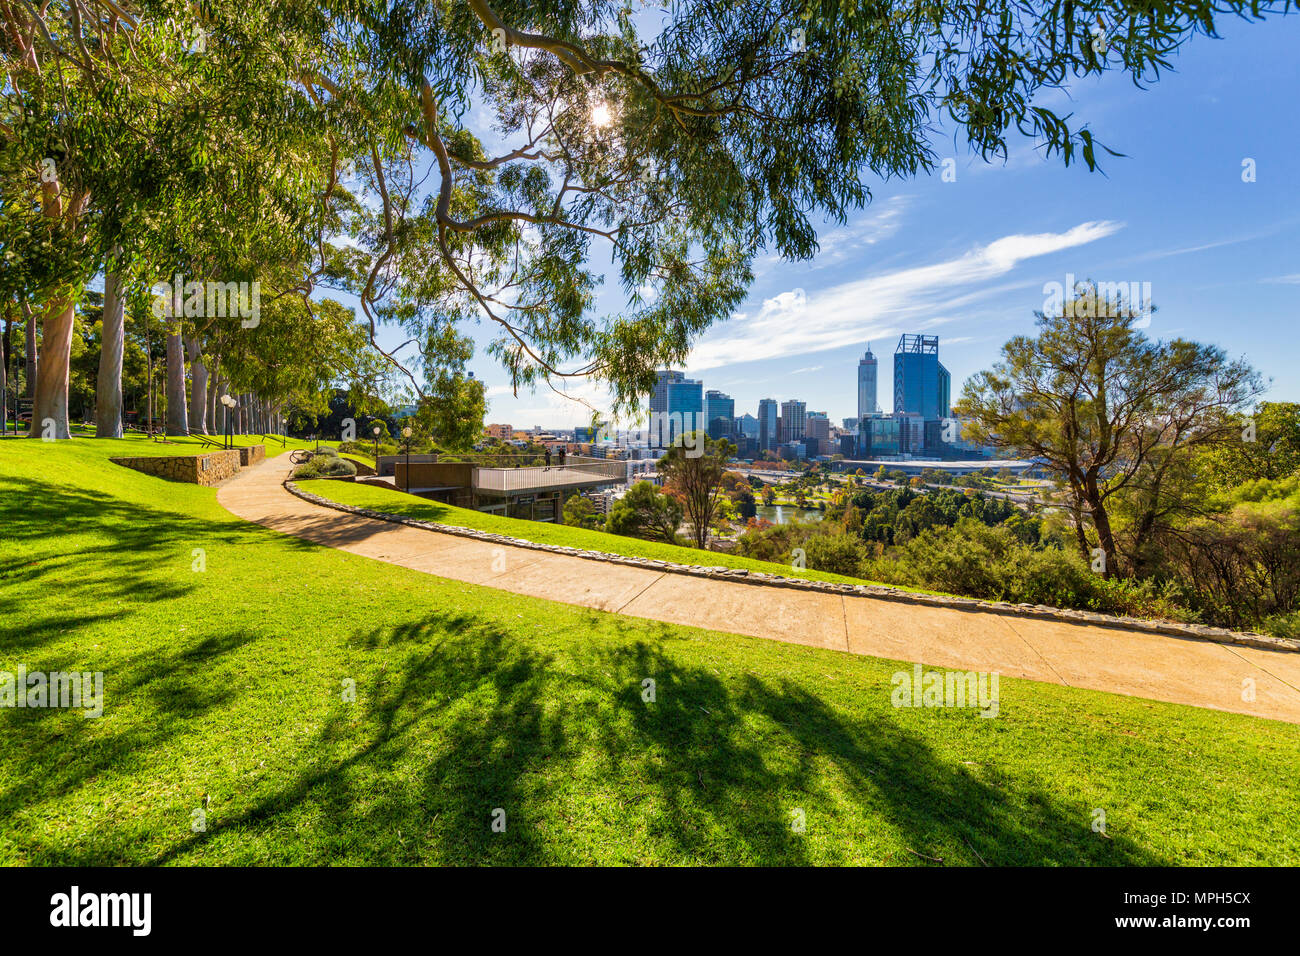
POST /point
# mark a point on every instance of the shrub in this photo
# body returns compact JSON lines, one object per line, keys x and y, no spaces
{"x":1284,"y":625}
{"x":325,"y":466}
{"x":645,"y":512}
{"x":775,"y":542}
{"x":994,"y":563}
{"x":836,"y":553}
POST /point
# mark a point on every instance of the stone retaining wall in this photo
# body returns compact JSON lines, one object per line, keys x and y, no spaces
{"x":881,"y":592}
{"x":210,"y":469}
{"x":251,"y":455}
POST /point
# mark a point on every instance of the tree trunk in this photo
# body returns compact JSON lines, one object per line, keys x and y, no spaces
{"x":1101,"y":522}
{"x":50,"y":402}
{"x":108,"y":387}
{"x":214,"y":389}
{"x":4,"y":369}
{"x":176,"y":417}
{"x":50,"y":407}
{"x":198,"y":388}
{"x":29,"y":319}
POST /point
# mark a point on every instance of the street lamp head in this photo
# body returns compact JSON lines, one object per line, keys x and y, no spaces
{"x":227,"y":401}
{"x":377,"y":430}
{"x":406,"y":432}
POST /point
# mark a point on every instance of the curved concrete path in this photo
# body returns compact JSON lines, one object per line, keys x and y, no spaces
{"x":1155,"y":666}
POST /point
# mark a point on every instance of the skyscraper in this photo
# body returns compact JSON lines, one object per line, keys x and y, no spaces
{"x":767,"y":418}
{"x":659,"y":397}
{"x":817,"y":433}
{"x":868,"y":369}
{"x":676,"y":406}
{"x":793,"y":415}
{"x":921,"y":383}
{"x":817,"y":425}
{"x":719,"y":413}
{"x":685,"y":407}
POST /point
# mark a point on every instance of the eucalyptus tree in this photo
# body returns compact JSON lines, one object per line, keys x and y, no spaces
{"x":301,"y":354}
{"x":674,"y":155}
{"x":159,"y":121}
{"x":1115,"y":416}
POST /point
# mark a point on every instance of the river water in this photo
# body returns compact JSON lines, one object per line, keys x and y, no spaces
{"x":781,"y":514}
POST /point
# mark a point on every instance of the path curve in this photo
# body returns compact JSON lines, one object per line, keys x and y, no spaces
{"x":1139,"y":664}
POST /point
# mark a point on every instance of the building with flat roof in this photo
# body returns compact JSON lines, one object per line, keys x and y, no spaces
{"x":719,"y":413}
{"x":768,"y":418}
{"x":921,"y":383}
{"x":915,"y":466}
{"x":685,"y":409}
{"x":794,"y":416}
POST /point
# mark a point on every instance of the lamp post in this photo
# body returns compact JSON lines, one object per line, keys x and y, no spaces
{"x":376,"y":430}
{"x":229,"y":404}
{"x":406,"y":437}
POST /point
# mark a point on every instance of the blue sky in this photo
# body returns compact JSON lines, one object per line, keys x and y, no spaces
{"x":967,"y":260}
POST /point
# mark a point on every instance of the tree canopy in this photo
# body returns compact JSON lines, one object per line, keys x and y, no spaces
{"x":339,"y":146}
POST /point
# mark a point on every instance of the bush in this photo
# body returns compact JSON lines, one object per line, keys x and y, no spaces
{"x":325,"y":466}
{"x":836,"y":553}
{"x":645,"y":512}
{"x":993,"y":563}
{"x":366,"y":449}
{"x":776,"y":542}
{"x":1284,"y":625}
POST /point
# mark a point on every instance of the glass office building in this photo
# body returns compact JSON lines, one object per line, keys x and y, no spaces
{"x":921,"y":383}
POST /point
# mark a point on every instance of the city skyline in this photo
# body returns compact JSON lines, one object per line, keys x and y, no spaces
{"x":969,"y":259}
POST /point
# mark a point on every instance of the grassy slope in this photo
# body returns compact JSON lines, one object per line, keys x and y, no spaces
{"x":223,"y":687}
{"x":395,"y":502}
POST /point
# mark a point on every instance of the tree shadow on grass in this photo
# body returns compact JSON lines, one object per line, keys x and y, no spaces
{"x":50,"y":752}
{"x":71,"y":585}
{"x":468,"y":717}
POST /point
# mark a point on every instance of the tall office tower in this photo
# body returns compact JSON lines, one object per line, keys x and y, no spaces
{"x":747,"y":425}
{"x":685,"y":411}
{"x":817,"y":434}
{"x":817,"y":425}
{"x":767,"y":419}
{"x":719,"y":413}
{"x":793,"y":415}
{"x":868,"y":368}
{"x":659,"y":397}
{"x":921,"y":383}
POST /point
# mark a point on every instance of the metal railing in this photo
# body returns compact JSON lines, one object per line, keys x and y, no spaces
{"x":576,"y":471}
{"x":512,"y":459}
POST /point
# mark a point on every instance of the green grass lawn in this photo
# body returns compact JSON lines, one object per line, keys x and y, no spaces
{"x":224,"y":691}
{"x":395,"y":502}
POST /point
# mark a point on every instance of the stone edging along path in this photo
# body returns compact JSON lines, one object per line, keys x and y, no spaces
{"x":882,"y":592}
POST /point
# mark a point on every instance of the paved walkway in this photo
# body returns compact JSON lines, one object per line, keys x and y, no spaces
{"x":1154,"y":666}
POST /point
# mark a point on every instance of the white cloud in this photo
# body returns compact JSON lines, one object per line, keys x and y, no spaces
{"x":563,"y":409}
{"x":842,"y":243}
{"x":879,"y":306}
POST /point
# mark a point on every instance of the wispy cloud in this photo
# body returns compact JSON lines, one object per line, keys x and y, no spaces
{"x":843,"y":243}
{"x":1186,"y":250}
{"x":798,"y":322}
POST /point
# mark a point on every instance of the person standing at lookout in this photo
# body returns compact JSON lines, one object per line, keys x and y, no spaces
{"x":548,"y":458}
{"x":561,"y":453}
